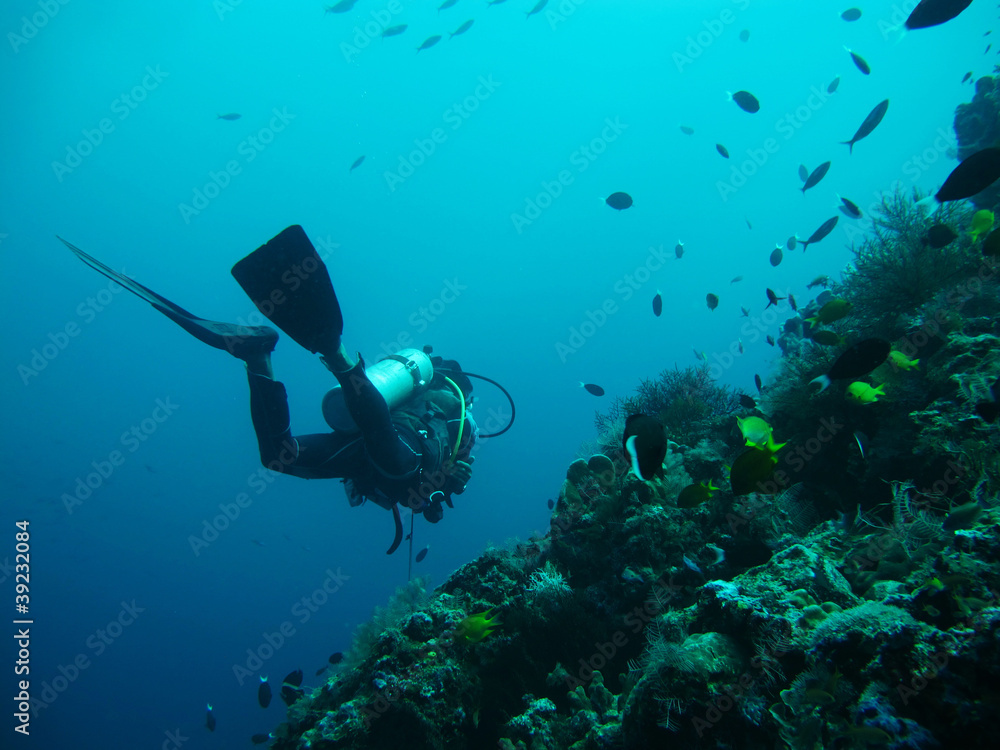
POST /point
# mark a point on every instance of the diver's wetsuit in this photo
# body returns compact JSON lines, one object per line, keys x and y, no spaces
{"x":388,"y":455}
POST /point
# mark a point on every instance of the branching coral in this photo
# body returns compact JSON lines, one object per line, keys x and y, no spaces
{"x":895,"y":270}
{"x":681,"y":399}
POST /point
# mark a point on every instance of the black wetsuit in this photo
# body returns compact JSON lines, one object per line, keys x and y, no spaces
{"x":391,"y":460}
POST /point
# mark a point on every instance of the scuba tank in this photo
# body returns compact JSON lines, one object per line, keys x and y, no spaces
{"x":397,"y":377}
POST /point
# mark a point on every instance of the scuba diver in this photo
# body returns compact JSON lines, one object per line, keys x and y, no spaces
{"x":402,"y":431}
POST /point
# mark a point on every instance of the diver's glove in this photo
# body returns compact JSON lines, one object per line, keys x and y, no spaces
{"x":433,"y":509}
{"x":459,"y":474}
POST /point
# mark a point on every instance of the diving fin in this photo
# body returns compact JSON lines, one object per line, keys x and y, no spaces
{"x":240,"y":341}
{"x":291,"y":287}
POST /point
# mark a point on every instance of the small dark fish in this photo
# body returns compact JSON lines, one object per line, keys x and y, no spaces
{"x":722,"y":150}
{"x":619,"y":201}
{"x":857,"y":361}
{"x":935,"y":12}
{"x":851,"y":14}
{"x":258,"y":542}
{"x":291,"y":694}
{"x":320,"y":671}
{"x":833,"y":85}
{"x":260,"y":739}
{"x":687,"y":130}
{"x":336,"y":657}
{"x":746,"y":313}
{"x":593,"y":390}
{"x":150,"y":469}
{"x":264,"y":693}
{"x":749,"y":225}
{"x":939,"y":236}
{"x":446,"y":4}
{"x":988,"y":48}
{"x":772,"y":298}
{"x":745,"y":35}
{"x":429,"y":42}
{"x":342,"y":7}
{"x":820,"y":233}
{"x":759,"y":383}
{"x":679,"y":249}
{"x":463,"y":28}
{"x":230,"y":116}
{"x":792,"y":242}
{"x":859,"y":61}
{"x":658,"y":304}
{"x":751,"y":471}
{"x":817,"y":174}
{"x":746,"y":101}
{"x":210,"y":719}
{"x":494,"y":2}
{"x":357,"y":163}
{"x":735,"y":279}
{"x":792,"y":303}
{"x":972,"y":176}
{"x":770,"y":339}
{"x":819,"y":281}
{"x":395,"y":30}
{"x":803,"y":172}
{"x":422,"y":554}
{"x":967,"y":77}
{"x":825,"y":337}
{"x":293,"y":678}
{"x":712,"y":300}
{"x":551,"y":503}
{"x":776,"y":256}
{"x":850,"y":208}
{"x":871,"y":122}
{"x":537,"y":9}
{"x":694,"y":495}
{"x":645,"y":445}
{"x":747,"y":402}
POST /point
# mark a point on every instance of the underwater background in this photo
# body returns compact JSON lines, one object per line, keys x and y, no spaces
{"x":476,"y":223}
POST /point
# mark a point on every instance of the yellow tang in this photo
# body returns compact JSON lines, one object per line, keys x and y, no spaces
{"x":695,"y":494}
{"x":835,"y":309}
{"x":982,"y":222}
{"x":864,"y":393}
{"x":902,"y":362}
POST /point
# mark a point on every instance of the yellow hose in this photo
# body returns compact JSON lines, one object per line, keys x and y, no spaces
{"x":461,"y":424}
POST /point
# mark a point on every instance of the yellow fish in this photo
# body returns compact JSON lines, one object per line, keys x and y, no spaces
{"x":755,"y":430}
{"x":833,"y":310}
{"x":901,"y":361}
{"x":982,"y":222}
{"x":864,"y":393}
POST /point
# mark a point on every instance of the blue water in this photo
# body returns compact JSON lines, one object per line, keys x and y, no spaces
{"x":587,"y":95}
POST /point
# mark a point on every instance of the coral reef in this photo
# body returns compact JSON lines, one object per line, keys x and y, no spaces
{"x":854,"y":604}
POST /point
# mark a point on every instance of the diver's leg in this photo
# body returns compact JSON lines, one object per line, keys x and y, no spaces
{"x":392,"y":456}
{"x":326,"y":456}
